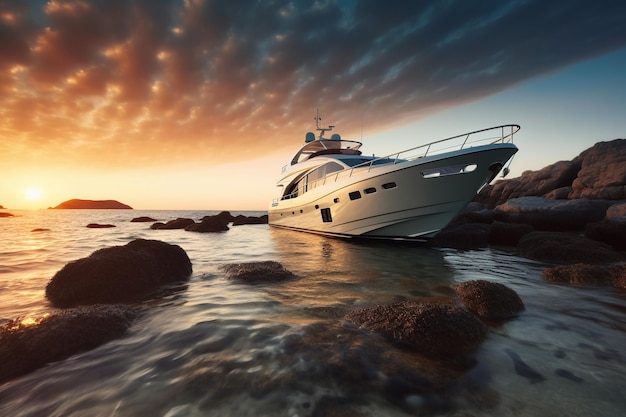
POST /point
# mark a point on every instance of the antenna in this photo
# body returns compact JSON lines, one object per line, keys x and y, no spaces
{"x":322,"y":130}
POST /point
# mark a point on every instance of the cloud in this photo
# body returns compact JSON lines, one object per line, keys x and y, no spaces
{"x":133,"y":83}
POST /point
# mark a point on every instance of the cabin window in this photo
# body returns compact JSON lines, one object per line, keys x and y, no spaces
{"x":354,"y":195}
{"x":369,"y":190}
{"x":317,"y":176}
{"x":326,"y":216}
{"x":389,"y":185}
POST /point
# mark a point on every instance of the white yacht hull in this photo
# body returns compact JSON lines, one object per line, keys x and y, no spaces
{"x":410,"y":205}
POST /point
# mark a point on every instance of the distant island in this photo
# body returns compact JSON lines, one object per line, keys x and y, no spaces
{"x":92,"y":204}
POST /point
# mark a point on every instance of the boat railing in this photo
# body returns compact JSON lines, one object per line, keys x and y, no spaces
{"x":492,"y":135}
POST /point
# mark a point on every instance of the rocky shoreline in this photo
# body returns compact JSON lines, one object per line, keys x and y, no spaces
{"x":570,"y":215}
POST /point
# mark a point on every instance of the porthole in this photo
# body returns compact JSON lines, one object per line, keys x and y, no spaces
{"x":389,"y":185}
{"x":336,"y":200}
{"x":369,"y":190}
{"x":355,"y":195}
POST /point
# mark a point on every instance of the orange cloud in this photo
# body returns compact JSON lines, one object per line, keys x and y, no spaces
{"x":134,"y":83}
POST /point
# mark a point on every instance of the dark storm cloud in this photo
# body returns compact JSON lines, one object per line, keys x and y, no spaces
{"x":190,"y":79}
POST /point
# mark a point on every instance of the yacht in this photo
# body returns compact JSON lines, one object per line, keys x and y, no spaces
{"x":330,"y":187}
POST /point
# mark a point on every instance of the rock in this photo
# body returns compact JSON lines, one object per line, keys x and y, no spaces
{"x":530,"y":183}
{"x":461,"y":236}
{"x":489,"y":300}
{"x":555,"y":215}
{"x":6,"y":214}
{"x":603,"y":172}
{"x":225,"y":215}
{"x":241,"y":220}
{"x":523,"y":369}
{"x":613,"y":275}
{"x":40,"y":229}
{"x":179,"y":223}
{"x":26,"y":347}
{"x":99,"y":226}
{"x":119,"y":274}
{"x":616,"y":211}
{"x":143,"y":219}
{"x":157,"y":225}
{"x":209,"y":224}
{"x":610,"y":230}
{"x":257,"y":272}
{"x":508,"y":234}
{"x":437,"y":330}
{"x":565,"y":248}
{"x":92,"y":204}
{"x":598,"y":173}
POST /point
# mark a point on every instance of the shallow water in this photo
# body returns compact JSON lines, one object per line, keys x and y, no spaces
{"x":217,"y":348}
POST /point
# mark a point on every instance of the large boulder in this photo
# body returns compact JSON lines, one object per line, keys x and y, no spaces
{"x":565,"y":248}
{"x":436,"y":330}
{"x":119,"y":274}
{"x":603,"y":172}
{"x":598,"y":173}
{"x":612,"y":275}
{"x":610,"y":230}
{"x":617,"y":211}
{"x":489,"y":300}
{"x":508,"y":234}
{"x":556,"y":215}
{"x":209,"y":224}
{"x":241,"y":220}
{"x":25,"y":347}
{"x":530,"y":183}
{"x":257,"y":272}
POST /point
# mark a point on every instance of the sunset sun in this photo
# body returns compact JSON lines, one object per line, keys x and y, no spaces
{"x":33,"y":194}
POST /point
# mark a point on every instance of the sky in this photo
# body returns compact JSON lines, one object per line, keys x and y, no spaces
{"x":197,"y":104}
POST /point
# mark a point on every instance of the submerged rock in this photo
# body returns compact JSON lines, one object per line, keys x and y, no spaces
{"x":143,"y":219}
{"x":613,"y":275}
{"x":565,"y":248}
{"x":523,"y":369}
{"x":99,"y":226}
{"x":489,"y":300}
{"x":5,"y":214}
{"x":257,"y":272}
{"x":119,"y":274}
{"x":437,"y":330}
{"x":25,"y":347}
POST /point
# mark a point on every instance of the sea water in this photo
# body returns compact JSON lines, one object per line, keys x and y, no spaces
{"x":220,"y":348}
